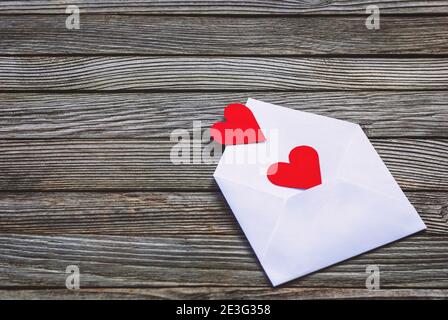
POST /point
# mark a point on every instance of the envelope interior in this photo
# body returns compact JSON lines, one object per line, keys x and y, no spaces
{"x":285,"y":129}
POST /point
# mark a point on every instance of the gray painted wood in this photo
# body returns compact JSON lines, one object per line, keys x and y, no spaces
{"x":152,"y":213}
{"x":224,"y":293}
{"x":418,"y":261}
{"x":186,"y":244}
{"x":226,"y":73}
{"x":161,"y":35}
{"x":226,"y":7}
{"x":155,"y":115}
{"x":146,"y":165}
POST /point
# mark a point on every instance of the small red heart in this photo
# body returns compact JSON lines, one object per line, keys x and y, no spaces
{"x":240,"y":127}
{"x":302,"y":171}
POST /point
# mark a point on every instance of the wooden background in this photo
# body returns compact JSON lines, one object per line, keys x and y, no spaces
{"x":86,"y":115}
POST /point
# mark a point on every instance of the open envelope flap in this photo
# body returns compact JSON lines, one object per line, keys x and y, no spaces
{"x":255,"y":210}
{"x":331,"y":223}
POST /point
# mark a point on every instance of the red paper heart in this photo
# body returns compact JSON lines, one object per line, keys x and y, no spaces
{"x":302,"y":171}
{"x":240,"y":127}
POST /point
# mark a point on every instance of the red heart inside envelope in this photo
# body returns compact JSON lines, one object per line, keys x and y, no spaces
{"x":240,"y":127}
{"x":302,"y":171}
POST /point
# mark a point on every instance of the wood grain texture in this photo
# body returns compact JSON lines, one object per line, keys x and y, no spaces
{"x":146,"y":165}
{"x":416,"y":114}
{"x":153,"y":213}
{"x":419,"y":261}
{"x":251,"y":7}
{"x":222,"y":293}
{"x":161,"y":35}
{"x":86,"y":117}
{"x":212,"y":73}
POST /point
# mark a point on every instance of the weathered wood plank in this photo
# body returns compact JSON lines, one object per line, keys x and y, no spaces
{"x":146,"y":165}
{"x":154,"y":213}
{"x":239,"y":293}
{"x":224,"y":7}
{"x":159,"y":35}
{"x":419,"y":261}
{"x":213,"y":73}
{"x":156,"y":115}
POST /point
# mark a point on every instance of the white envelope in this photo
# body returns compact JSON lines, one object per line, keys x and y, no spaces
{"x":358,"y":207}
